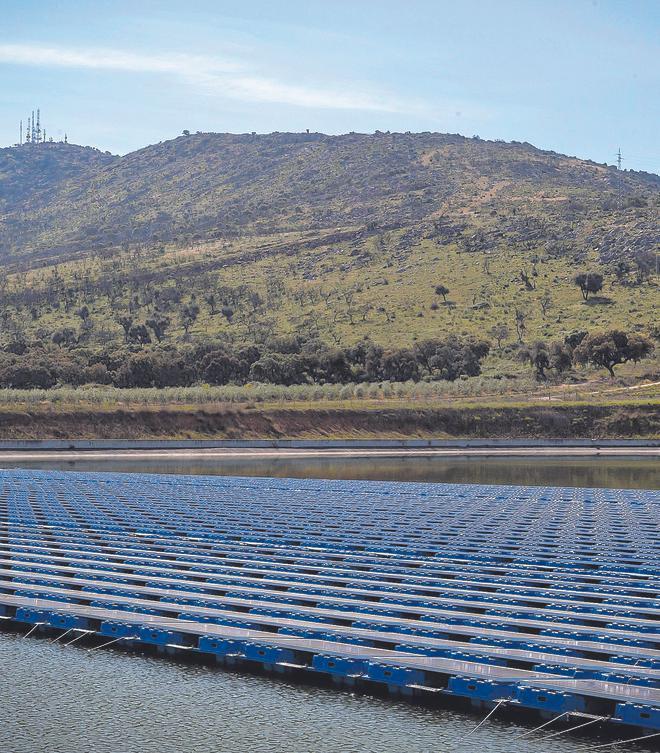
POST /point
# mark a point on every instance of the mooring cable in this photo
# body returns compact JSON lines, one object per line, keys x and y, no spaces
{"x":578,"y":726}
{"x":633,"y":666}
{"x":78,"y":637}
{"x":488,"y":716}
{"x":33,"y":628}
{"x":66,"y":632}
{"x":621,"y":742}
{"x":114,"y":640}
{"x":541,"y":726}
{"x":483,"y":721}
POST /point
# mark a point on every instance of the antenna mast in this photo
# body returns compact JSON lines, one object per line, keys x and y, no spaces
{"x":619,"y":180}
{"x":30,"y":130}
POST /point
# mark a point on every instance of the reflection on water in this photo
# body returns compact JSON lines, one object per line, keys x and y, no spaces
{"x":615,"y":473}
{"x":65,"y":700}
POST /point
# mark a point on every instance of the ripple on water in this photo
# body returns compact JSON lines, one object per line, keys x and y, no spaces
{"x":64,"y":700}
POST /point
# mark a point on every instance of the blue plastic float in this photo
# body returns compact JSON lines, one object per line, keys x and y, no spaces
{"x":543,"y":598}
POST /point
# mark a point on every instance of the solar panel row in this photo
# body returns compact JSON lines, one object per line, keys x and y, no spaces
{"x":544,"y":596}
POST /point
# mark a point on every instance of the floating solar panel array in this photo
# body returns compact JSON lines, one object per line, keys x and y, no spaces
{"x":542,"y":597}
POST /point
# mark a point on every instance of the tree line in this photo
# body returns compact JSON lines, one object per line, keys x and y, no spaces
{"x":284,"y":360}
{"x":293,"y":360}
{"x":602,"y":350}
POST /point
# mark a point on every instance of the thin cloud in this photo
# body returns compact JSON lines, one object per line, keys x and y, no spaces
{"x":214,"y":76}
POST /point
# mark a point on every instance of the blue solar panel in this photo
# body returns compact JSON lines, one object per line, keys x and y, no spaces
{"x":544,"y":596}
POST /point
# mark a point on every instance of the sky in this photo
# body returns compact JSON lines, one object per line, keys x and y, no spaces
{"x":581,"y":77}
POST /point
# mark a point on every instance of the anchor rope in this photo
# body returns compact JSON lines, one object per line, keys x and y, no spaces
{"x":483,"y":721}
{"x":541,"y":726}
{"x":488,"y":716}
{"x":114,"y":640}
{"x":33,"y":628}
{"x":621,"y":742}
{"x":77,"y":638}
{"x":66,"y":632}
{"x":578,"y":726}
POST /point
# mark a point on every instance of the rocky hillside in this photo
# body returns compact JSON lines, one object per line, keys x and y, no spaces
{"x":393,"y":238}
{"x":58,"y":200}
{"x":29,"y":174}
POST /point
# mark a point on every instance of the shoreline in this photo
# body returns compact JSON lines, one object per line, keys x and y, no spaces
{"x":588,"y":425}
{"x":547,"y":451}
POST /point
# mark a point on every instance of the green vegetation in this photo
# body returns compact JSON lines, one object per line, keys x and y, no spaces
{"x":285,"y":361}
{"x":484,"y":391}
{"x":353,"y":264}
{"x":607,"y":349}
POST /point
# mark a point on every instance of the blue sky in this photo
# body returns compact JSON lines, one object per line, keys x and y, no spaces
{"x":578,"y":76}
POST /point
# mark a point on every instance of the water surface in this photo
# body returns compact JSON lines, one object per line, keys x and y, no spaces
{"x":61,"y":699}
{"x":614,"y":473}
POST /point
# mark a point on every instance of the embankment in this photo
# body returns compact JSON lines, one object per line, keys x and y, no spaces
{"x":531,"y":422}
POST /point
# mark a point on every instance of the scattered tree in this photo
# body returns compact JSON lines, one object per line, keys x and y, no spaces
{"x":589,"y":282}
{"x":541,"y":357}
{"x":442,"y":290}
{"x":525,"y":278}
{"x":521,"y":324}
{"x":561,"y":357}
{"x":126,"y":323}
{"x":400,"y":365}
{"x":222,"y":368}
{"x":139,"y":335}
{"x":573,"y":339}
{"x":189,"y":314}
{"x":212,"y":302}
{"x":499,"y":332}
{"x":646,"y":262}
{"x":158,"y":324}
{"x":66,"y":336}
{"x":545,"y":302}
{"x":537,"y":356}
{"x":608,"y":349}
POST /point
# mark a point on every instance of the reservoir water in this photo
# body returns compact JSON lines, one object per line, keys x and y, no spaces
{"x":60,"y":699}
{"x":610,"y":472}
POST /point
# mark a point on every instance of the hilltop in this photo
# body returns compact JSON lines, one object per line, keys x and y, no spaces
{"x":60,"y":199}
{"x":31,"y":174}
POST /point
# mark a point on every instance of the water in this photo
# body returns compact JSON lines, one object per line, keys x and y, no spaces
{"x":613,"y":473}
{"x":64,"y":700}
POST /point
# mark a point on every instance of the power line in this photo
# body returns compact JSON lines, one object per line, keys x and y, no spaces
{"x":619,"y":160}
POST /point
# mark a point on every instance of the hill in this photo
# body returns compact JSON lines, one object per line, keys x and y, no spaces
{"x":388,"y":238}
{"x":30,"y":178}
{"x":59,"y":198}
